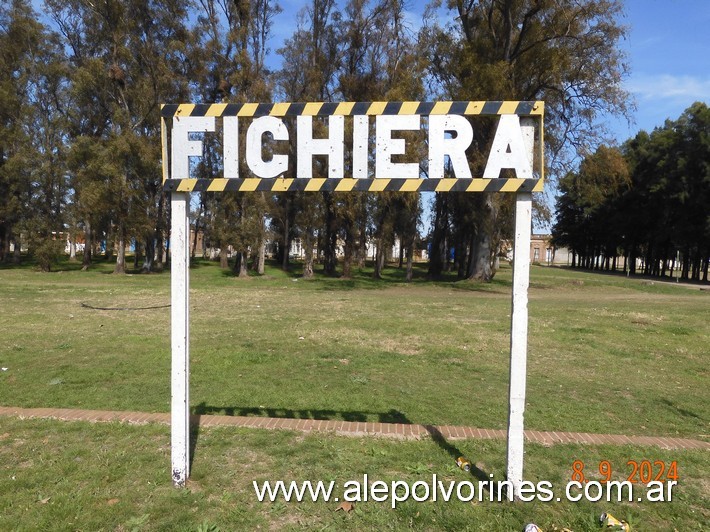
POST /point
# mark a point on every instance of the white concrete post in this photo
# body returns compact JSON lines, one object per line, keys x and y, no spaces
{"x":519,"y":339}
{"x":180,"y":337}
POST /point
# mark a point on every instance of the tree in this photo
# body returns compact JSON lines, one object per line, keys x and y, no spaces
{"x":649,"y":203}
{"x":379,"y":63}
{"x":33,"y":184}
{"x":667,"y":206}
{"x":127,"y":58}
{"x":232,"y":39}
{"x":564,"y":52}
{"x":588,"y":218}
{"x":310,"y":61}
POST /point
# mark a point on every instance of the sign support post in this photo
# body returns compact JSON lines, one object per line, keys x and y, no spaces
{"x":180,"y":337}
{"x":519,"y":340}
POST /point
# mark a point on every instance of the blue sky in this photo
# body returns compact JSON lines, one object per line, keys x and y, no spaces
{"x":668,"y":50}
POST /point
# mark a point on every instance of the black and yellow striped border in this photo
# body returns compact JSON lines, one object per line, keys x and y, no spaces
{"x":352,"y":185}
{"x":255,"y":110}
{"x":491,"y":108}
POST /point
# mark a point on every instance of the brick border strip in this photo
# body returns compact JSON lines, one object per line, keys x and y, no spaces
{"x":357,"y":428}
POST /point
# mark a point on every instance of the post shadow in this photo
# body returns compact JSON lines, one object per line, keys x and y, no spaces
{"x":391,"y":416}
{"x":194,"y":435}
{"x":203,"y":409}
{"x":453,"y":451}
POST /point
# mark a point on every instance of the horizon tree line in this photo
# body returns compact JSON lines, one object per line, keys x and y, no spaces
{"x":80,"y":136}
{"x":643,"y":207}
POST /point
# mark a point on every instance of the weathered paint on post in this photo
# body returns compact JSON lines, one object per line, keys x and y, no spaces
{"x":519,"y":340}
{"x":180,"y":337}
{"x":519,"y":325}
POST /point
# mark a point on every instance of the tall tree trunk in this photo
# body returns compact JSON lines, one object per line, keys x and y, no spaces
{"x":193,"y":251}
{"x":149,"y":259}
{"x":696,"y":266}
{"x":240,"y":265}
{"x":137,"y":255}
{"x":438,"y":251}
{"x":664,"y":261}
{"x":348,"y":252}
{"x":470,"y":257}
{"x":223,"y":258}
{"x":379,"y":259}
{"x":308,"y":253}
{"x":330,"y":240}
{"x":4,"y":244}
{"x":160,"y":243}
{"x":481,"y":255}
{"x":686,"y":263}
{"x":196,"y":231}
{"x":481,"y":249}
{"x":108,"y":251}
{"x":362,"y":254}
{"x":121,"y":253}
{"x":88,"y":246}
{"x":286,"y":237}
{"x":410,"y":261}
{"x":261,"y":256}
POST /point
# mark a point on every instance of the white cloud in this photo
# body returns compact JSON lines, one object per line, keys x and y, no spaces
{"x":666,"y":86}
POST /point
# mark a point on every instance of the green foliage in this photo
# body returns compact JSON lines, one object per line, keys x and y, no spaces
{"x":562,"y":52}
{"x":649,"y":204}
{"x":33,"y":185}
{"x":125,"y":62}
{"x":80,"y":127}
{"x":231,"y":40}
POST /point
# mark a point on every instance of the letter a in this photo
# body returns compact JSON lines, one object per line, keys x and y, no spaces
{"x":508,"y":150}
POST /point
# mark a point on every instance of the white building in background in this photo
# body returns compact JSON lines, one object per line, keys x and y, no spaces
{"x":542,"y":251}
{"x":297,"y":250}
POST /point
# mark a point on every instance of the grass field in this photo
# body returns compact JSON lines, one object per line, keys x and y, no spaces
{"x":606,"y":355}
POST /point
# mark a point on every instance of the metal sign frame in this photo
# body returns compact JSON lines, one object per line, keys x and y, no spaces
{"x":530,"y":116}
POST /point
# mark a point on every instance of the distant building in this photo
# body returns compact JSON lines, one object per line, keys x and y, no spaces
{"x":542,"y":251}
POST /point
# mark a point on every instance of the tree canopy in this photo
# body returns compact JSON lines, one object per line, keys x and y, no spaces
{"x":646,"y":202}
{"x":80,"y":136}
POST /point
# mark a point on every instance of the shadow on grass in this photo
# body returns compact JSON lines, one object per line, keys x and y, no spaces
{"x":391,"y":416}
{"x":454,"y":452}
{"x":203,"y":409}
{"x":646,"y":280}
{"x":98,"y":264}
{"x":361,"y":277}
{"x":681,"y":411}
{"x":29,"y":263}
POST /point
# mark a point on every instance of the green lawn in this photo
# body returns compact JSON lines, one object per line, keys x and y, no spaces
{"x":606,"y":354}
{"x":78,"y":476}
